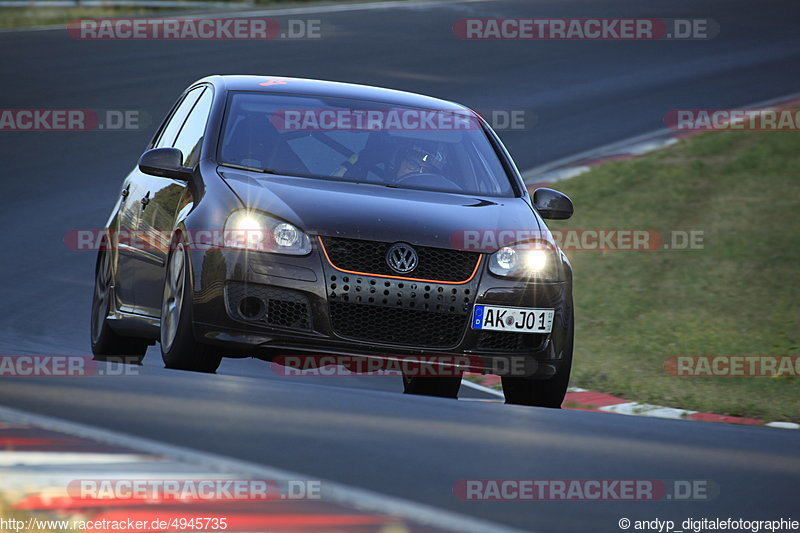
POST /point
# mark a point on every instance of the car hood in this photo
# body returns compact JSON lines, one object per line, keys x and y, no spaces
{"x":371,"y":212}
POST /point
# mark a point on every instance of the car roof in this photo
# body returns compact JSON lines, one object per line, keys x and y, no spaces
{"x":281,"y":84}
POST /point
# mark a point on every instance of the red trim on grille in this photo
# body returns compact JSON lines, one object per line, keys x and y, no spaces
{"x":474,"y":271}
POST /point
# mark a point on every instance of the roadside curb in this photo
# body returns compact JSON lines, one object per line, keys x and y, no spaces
{"x":629,"y":149}
{"x":586,"y":400}
{"x":45,"y":463}
{"x":569,"y":167}
{"x":578,"y":398}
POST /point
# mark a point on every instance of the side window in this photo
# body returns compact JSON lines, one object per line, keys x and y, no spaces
{"x":191,"y":136}
{"x":177,"y":119}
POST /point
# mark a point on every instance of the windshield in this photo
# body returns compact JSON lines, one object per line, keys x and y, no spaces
{"x":361,"y":141}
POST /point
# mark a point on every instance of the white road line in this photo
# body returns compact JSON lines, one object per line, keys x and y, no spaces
{"x":783,"y":425}
{"x":14,"y":458}
{"x":646,"y":409}
{"x":643,"y":139}
{"x":592,"y":153}
{"x":560,"y":174}
{"x":487,"y":390}
{"x":362,"y":499}
{"x":338,"y":8}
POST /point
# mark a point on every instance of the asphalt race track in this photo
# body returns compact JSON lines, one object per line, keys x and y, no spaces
{"x":362,"y":432}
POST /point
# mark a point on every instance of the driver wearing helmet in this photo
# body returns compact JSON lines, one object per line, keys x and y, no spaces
{"x":419,"y":158}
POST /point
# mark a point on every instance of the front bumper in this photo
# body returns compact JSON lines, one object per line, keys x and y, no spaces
{"x":266,"y":305}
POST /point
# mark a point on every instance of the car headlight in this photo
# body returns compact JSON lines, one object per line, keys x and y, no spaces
{"x":536,"y":260}
{"x":253,"y":230}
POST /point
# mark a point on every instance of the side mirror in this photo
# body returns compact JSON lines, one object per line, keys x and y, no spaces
{"x":552,"y":204}
{"x":166,"y":163}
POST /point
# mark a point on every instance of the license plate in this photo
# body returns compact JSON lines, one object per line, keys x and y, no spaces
{"x":516,"y":319}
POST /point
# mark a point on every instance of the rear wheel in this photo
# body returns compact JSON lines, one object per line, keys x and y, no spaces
{"x":544,"y":392}
{"x":440,"y":386}
{"x":107,"y":345}
{"x":179,"y":349}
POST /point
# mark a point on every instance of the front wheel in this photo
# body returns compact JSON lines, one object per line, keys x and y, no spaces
{"x":179,"y":349}
{"x":107,"y":345}
{"x":544,"y":392}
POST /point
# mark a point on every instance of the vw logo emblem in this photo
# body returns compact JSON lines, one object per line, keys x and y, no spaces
{"x":401,"y":258}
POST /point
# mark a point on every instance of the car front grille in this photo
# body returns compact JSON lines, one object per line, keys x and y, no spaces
{"x":369,"y":257}
{"x":509,"y":342}
{"x":409,"y":327}
{"x":392,"y":311}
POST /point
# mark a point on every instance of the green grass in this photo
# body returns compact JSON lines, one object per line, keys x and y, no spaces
{"x":7,"y":512}
{"x":739,"y":295}
{"x":29,"y":17}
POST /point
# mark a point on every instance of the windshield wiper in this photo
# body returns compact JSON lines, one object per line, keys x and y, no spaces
{"x":251,"y":169}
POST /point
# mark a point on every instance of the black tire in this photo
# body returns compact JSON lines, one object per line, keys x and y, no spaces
{"x":107,"y":345}
{"x":543,"y":392}
{"x":179,"y":349}
{"x":441,"y":387}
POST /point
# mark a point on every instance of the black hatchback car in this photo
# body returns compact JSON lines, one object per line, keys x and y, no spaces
{"x":273,"y":216}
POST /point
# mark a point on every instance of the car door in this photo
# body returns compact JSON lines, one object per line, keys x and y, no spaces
{"x":121,"y":234}
{"x":160,"y":204}
{"x":135,"y":253}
